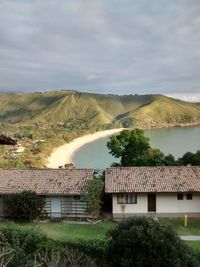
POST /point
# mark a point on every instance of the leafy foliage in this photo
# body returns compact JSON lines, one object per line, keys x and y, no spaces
{"x":128,"y":146}
{"x":93,"y":195}
{"x":190,"y":158}
{"x":25,"y":248}
{"x":133,"y":149}
{"x":28,"y":240}
{"x":95,"y":248}
{"x":24,"y":206}
{"x":22,"y":243}
{"x":144,"y":242}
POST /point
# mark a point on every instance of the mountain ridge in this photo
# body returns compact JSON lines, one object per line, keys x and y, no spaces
{"x":150,"y":110}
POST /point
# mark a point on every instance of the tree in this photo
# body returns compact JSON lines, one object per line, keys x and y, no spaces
{"x":142,"y":241}
{"x":154,"y":157}
{"x":129,"y":146}
{"x":133,"y":149}
{"x":24,"y":206}
{"x":93,"y":195}
{"x":190,"y":158}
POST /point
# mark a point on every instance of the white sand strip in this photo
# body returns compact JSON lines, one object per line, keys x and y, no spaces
{"x":63,"y":154}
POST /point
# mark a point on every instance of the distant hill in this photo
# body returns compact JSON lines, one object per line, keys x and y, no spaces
{"x":97,"y":109}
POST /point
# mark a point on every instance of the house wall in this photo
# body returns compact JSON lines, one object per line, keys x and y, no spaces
{"x":71,"y":206}
{"x":167,"y":205}
{"x":126,"y":210}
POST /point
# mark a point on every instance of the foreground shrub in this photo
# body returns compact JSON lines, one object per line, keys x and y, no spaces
{"x":143,"y":242}
{"x":22,"y":243}
{"x":24,"y":206}
{"x":94,"y":248}
{"x":28,"y":240}
{"x":62,"y":258}
{"x":6,"y":255}
{"x":28,"y":247}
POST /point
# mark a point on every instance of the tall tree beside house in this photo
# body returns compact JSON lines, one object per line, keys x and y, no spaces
{"x":93,"y":196}
{"x":133,"y":149}
{"x":24,"y":206}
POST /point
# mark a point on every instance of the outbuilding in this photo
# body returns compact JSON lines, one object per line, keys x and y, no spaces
{"x":61,"y":189}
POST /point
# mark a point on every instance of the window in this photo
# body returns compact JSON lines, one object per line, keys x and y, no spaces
{"x":129,"y":198}
{"x":189,"y":196}
{"x":180,"y":196}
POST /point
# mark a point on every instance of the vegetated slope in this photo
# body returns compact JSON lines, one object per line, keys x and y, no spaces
{"x":164,"y":111}
{"x":96,"y":109}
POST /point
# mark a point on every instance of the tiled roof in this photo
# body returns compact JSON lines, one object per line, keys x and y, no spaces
{"x":47,"y":181}
{"x":152,"y":179}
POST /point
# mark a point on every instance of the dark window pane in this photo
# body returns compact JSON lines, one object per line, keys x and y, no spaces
{"x":189,"y":196}
{"x":180,"y":196}
{"x":129,"y":198}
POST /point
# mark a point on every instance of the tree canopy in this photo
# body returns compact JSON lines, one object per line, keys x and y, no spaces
{"x":190,"y":158}
{"x":133,"y":149}
{"x":142,"y":241}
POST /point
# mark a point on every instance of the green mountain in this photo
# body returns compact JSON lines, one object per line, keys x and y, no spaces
{"x":96,"y":109}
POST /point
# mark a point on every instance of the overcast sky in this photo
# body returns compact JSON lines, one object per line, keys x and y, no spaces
{"x":107,"y":46}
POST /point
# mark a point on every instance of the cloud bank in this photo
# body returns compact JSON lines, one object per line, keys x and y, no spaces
{"x":129,"y":46}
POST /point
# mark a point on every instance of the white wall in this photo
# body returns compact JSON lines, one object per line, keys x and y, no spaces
{"x":166,"y":203}
{"x":140,"y":207}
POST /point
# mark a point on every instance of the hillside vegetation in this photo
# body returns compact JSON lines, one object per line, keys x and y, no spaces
{"x":42,"y":121}
{"x":96,"y":109}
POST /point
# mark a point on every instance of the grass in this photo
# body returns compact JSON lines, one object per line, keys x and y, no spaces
{"x":195,"y":245}
{"x":67,"y":231}
{"x":193,"y":227}
{"x":70,"y":231}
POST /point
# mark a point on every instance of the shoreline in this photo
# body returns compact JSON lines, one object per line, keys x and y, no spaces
{"x":63,"y":155}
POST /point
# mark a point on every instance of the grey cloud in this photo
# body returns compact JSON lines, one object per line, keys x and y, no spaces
{"x":111,"y":46}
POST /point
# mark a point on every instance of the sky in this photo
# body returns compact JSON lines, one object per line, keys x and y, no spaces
{"x":104,"y":46}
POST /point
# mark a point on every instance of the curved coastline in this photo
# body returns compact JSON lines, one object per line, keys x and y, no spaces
{"x":64,"y":154}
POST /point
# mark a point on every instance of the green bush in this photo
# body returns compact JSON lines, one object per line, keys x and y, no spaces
{"x":96,"y":248}
{"x":22,"y":242}
{"x":144,"y":242}
{"x":28,"y":240}
{"x":24,"y":206}
{"x":28,"y":247}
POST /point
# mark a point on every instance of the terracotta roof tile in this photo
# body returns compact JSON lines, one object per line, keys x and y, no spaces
{"x":47,"y":181}
{"x":152,"y":179}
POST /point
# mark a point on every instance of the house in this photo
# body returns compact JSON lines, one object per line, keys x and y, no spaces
{"x":157,"y":191}
{"x":61,"y":189}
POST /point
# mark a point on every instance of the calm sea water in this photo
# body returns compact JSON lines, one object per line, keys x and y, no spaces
{"x":176,"y":141}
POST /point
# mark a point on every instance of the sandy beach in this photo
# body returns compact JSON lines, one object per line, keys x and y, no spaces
{"x":63,"y":154}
